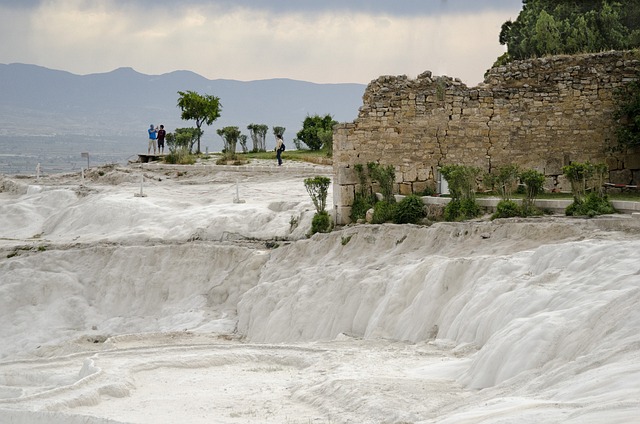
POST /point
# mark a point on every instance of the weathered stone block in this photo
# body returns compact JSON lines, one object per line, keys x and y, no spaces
{"x":553,"y":166}
{"x":623,"y":176}
{"x":405,"y":189}
{"x":410,"y":175}
{"x":342,"y":215}
{"x":423,"y":174}
{"x":344,"y":175}
{"x":562,"y":184}
{"x":347,"y":194}
{"x":632,"y":161}
{"x":420,"y":187}
{"x":613,"y":163}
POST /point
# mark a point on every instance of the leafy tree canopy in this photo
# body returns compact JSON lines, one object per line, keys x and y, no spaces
{"x":278,"y":131}
{"x":314,"y":131}
{"x":258,"y":133}
{"x":570,"y":27}
{"x":318,"y":188}
{"x":182,"y":138}
{"x":230,"y":135}
{"x":204,"y":109}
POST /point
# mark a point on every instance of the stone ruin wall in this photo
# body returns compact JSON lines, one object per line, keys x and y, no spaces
{"x":539,"y":114}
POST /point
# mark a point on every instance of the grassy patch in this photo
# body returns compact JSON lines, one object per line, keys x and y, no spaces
{"x":632,"y":196}
{"x":312,"y":156}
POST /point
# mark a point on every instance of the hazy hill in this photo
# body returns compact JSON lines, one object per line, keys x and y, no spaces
{"x":41,"y":101}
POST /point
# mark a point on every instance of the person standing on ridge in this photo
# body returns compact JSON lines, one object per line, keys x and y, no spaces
{"x":153,"y":135}
{"x":161,"y":134}
{"x":279,"y":149}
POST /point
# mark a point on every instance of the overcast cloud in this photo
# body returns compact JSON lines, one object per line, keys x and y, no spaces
{"x":311,"y":40}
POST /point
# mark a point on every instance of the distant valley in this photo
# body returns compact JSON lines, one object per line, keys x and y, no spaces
{"x":37,"y":101}
{"x":49,"y":117}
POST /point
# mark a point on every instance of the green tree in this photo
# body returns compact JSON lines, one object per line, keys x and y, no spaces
{"x":318,"y":189}
{"x":243,"y":142}
{"x":363,"y":198}
{"x":505,"y":180}
{"x":385,"y":176}
{"x":314,"y":131}
{"x":546,"y":37}
{"x":589,"y":197}
{"x":571,"y":26}
{"x":462,"y":186}
{"x":579,"y":175}
{"x":183,"y":138}
{"x":204,"y":109}
{"x":180,"y":144}
{"x":279,"y":131}
{"x":534,"y":186}
{"x":258,"y":133}
{"x":614,"y":33}
{"x":230,"y":135}
{"x":461,"y":180}
{"x":581,"y":36}
{"x":326,"y":139}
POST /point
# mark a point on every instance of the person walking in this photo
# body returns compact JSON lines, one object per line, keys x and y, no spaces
{"x":279,"y":149}
{"x":153,"y":135}
{"x":161,"y":134}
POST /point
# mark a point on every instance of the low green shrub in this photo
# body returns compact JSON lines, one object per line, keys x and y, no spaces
{"x":461,"y":209}
{"x":321,"y":223}
{"x":504,"y":180}
{"x":507,"y":209}
{"x":383,"y":211}
{"x":592,"y":205}
{"x":361,"y":204}
{"x":534,"y":185}
{"x":385,"y":176}
{"x":409,"y":210}
{"x":180,"y":157}
{"x":428,"y":191}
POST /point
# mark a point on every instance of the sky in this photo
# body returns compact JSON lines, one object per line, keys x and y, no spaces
{"x":333,"y":41}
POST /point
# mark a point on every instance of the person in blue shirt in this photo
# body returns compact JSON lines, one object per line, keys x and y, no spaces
{"x":153,"y":135}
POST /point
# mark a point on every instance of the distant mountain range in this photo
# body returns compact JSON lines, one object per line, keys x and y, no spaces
{"x":39,"y":101}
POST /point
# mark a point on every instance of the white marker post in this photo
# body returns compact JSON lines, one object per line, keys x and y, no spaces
{"x":38,"y":171}
{"x":237,"y":198}
{"x":141,"y":194}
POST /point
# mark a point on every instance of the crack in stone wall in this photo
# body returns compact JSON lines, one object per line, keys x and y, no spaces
{"x":539,"y":114}
{"x":489,"y":141}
